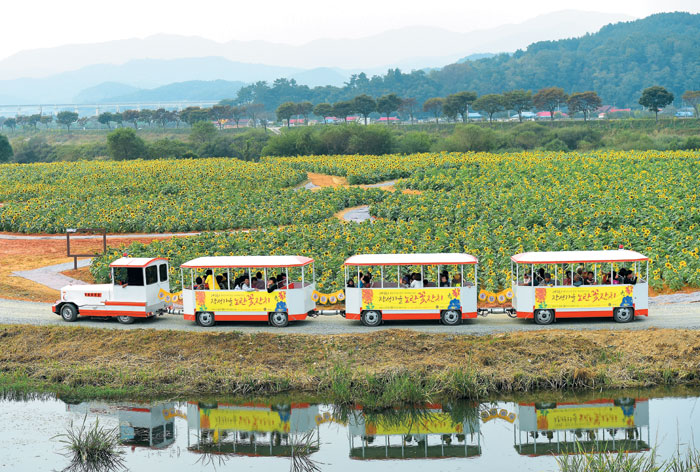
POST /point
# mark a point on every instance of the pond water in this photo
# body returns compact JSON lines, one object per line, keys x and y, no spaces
{"x":522,"y":435}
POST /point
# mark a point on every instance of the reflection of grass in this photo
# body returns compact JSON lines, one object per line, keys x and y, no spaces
{"x":92,"y":449}
{"x":213,"y":459}
{"x":583,"y":461}
{"x":302,"y":448}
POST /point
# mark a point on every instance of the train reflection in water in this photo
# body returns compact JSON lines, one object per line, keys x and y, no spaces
{"x":450,"y":430}
{"x":252,"y":429}
{"x":604,"y":425}
{"x":431,"y":431}
{"x":140,"y":424}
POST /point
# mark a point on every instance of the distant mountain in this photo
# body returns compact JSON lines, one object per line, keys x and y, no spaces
{"x":103,"y":92}
{"x":321,"y":76}
{"x":409,"y":48}
{"x":618,"y":62}
{"x":191,"y":90}
{"x":68,"y":87}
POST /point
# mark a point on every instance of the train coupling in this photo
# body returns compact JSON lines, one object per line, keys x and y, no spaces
{"x":497,"y":310}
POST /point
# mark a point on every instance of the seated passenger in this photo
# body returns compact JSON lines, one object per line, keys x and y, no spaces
{"x":615,"y":278}
{"x":567,"y":278}
{"x":271,"y":285}
{"x":198,"y":284}
{"x":630,"y":278}
{"x":405,"y":282}
{"x":577,"y":281}
{"x":457,"y":280}
{"x":245,"y":284}
{"x":591,"y":278}
{"x":539,"y":275}
{"x":444,"y":280}
{"x":282,"y":281}
{"x":210,"y":281}
{"x":547,"y":280}
{"x":416,"y":282}
{"x":350,"y":283}
{"x":260,"y":282}
{"x":366,"y":282}
{"x":527,"y":281}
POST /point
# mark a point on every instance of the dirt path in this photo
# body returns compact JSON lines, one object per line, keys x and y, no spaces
{"x":29,"y":254}
{"x":317,"y":181}
{"x":676,"y":316}
{"x":356,"y":214}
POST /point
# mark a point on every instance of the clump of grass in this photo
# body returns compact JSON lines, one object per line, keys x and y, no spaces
{"x":92,"y":448}
{"x":584,"y":461}
{"x":301,"y":460}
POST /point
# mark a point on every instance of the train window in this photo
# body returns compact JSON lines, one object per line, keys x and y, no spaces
{"x":151,"y":275}
{"x":128,"y":276}
{"x":163,"y":269}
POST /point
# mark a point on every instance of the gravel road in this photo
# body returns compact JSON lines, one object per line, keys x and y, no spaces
{"x":677,"y":315}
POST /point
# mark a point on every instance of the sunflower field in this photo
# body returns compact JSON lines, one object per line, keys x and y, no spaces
{"x":489,"y":205}
{"x":163,"y":196}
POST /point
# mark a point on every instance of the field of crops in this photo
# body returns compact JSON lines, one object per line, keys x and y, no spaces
{"x":162,"y":196}
{"x":492,"y":206}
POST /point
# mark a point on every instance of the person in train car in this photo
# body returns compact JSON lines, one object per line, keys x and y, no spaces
{"x":210,"y":281}
{"x":444,"y":280}
{"x":271,"y":285}
{"x":416,"y":282}
{"x":351,"y":283}
{"x":260,"y":281}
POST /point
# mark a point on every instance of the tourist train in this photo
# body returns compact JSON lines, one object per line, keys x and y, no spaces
{"x":544,"y":287}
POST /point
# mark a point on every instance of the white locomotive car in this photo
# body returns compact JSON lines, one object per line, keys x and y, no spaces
{"x":133,"y":293}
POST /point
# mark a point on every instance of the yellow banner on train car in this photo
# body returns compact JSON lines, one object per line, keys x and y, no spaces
{"x":584,"y":418}
{"x":241,"y":301}
{"x":429,"y":424}
{"x":243,"y":420}
{"x":584,"y":297}
{"x":411,"y":299}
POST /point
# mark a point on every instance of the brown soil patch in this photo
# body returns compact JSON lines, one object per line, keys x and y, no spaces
{"x":668,"y":291}
{"x":82,"y":273}
{"x":323,"y":180}
{"x":17,"y":255}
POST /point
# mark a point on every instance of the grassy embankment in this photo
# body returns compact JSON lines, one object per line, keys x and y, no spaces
{"x":374,"y":369}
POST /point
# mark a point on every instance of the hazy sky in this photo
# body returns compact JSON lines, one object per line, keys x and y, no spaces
{"x":46,"y":23}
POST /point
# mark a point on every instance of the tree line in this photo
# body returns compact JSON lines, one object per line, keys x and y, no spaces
{"x":452,"y":107}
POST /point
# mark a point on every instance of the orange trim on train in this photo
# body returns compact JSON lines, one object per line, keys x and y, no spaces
{"x":109,"y":302}
{"x":408,"y":316}
{"x":300,"y":317}
{"x":135,"y":314}
{"x":607,"y":313}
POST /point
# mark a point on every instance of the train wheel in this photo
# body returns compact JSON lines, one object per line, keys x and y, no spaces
{"x":544,"y":317}
{"x":125,"y":319}
{"x":205,"y":318}
{"x":371,"y":318}
{"x":69,"y":312}
{"x":451,"y":317}
{"x":279,"y":319}
{"x":623,"y":314}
